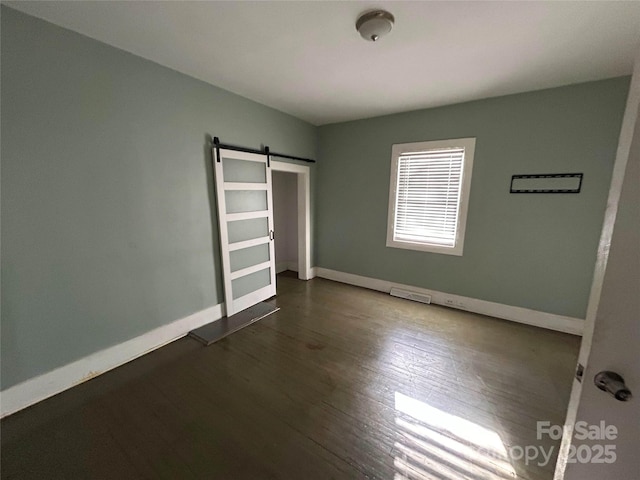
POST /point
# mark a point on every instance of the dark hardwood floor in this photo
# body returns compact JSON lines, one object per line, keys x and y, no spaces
{"x":342,"y":382}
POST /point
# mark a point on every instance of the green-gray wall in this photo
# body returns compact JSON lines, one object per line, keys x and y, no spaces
{"x":531,"y":251}
{"x":108,"y":227}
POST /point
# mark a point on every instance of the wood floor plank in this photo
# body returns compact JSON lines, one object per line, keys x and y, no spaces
{"x":341,"y":383}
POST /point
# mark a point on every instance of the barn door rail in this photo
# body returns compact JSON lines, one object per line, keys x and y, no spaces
{"x":265,"y":151}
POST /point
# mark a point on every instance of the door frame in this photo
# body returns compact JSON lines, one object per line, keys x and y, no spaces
{"x":303,"y":176}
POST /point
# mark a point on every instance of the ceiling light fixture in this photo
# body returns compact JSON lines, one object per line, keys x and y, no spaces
{"x":375,"y":24}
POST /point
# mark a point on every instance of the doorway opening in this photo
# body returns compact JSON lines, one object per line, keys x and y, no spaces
{"x":291,"y":200}
{"x":285,"y":220}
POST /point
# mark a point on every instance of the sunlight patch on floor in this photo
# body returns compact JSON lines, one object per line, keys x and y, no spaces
{"x":434,"y":444}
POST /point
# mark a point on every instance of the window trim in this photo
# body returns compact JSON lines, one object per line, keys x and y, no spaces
{"x":396,"y":151}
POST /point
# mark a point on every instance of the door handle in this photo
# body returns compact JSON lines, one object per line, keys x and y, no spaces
{"x":612,"y":383}
{"x":272,"y":235}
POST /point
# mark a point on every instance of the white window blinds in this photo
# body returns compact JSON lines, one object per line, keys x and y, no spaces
{"x":428,"y":196}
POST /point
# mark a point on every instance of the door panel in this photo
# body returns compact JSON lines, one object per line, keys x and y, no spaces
{"x":243,"y":230}
{"x":249,"y":283}
{"x":243,"y":171}
{"x":245,"y":217}
{"x":245,"y":257}
{"x":245,"y":201}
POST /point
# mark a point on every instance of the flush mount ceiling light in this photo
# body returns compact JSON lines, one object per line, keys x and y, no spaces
{"x":373,"y":25}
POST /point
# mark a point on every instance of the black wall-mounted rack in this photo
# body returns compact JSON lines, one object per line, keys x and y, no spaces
{"x":547,"y":190}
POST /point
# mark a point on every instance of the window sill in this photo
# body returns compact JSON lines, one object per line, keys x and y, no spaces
{"x":422,"y":247}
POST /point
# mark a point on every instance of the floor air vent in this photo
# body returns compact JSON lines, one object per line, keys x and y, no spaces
{"x":417,"y":297}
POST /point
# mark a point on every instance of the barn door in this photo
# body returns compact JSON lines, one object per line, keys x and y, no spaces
{"x":245,"y":217}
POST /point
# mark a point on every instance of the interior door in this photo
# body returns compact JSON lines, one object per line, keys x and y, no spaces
{"x":611,"y":343}
{"x":245,"y":217}
{"x":615,"y":343}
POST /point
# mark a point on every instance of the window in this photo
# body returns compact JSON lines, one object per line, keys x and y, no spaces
{"x":429,"y":194}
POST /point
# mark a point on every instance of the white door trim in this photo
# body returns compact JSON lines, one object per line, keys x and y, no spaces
{"x":303,"y":174}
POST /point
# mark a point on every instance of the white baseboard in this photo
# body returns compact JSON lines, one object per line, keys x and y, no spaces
{"x":551,"y":321}
{"x":48,"y":384}
{"x":313,"y":271}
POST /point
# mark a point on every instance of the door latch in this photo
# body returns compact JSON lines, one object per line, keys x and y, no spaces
{"x":612,"y":383}
{"x":272,"y":235}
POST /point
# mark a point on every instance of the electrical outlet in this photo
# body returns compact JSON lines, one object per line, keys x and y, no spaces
{"x":449,"y":302}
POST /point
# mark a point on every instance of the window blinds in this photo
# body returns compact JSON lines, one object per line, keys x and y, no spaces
{"x":428,"y":196}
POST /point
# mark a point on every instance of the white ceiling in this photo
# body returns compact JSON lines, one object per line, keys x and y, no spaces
{"x":306,"y":58}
